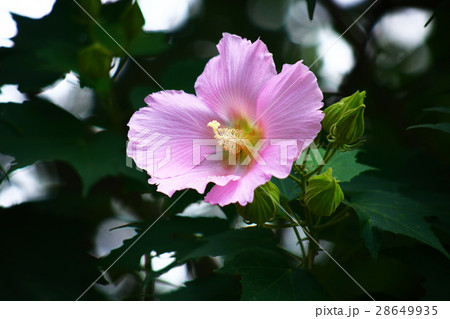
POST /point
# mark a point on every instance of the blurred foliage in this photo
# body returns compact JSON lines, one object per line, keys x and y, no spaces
{"x":394,"y":239}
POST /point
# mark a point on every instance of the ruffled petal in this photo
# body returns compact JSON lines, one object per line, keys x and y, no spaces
{"x":288,"y":108}
{"x":240,"y":191}
{"x":165,"y":138}
{"x":197,"y":178}
{"x":230,"y":83}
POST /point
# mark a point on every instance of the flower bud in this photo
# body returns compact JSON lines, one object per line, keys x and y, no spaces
{"x":323,"y":194}
{"x":334,"y":112}
{"x":349,"y":128}
{"x":265,"y":205}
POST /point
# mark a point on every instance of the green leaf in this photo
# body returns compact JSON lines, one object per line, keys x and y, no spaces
{"x":443,"y":127}
{"x":45,"y":246}
{"x":382,"y":211}
{"x":179,"y":234}
{"x":441,"y":109}
{"x":132,"y":21}
{"x":123,"y":23}
{"x":288,"y":188}
{"x":266,"y":275}
{"x":345,"y":166}
{"x":311,"y":6}
{"x":215,"y":287}
{"x":234,"y":241}
{"x":44,"y":49}
{"x":41,"y":131}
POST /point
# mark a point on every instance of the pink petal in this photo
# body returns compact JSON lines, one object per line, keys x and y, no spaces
{"x":162,"y":135}
{"x":288,"y":108}
{"x":197,"y":178}
{"x":230,"y":83}
{"x":240,"y":191}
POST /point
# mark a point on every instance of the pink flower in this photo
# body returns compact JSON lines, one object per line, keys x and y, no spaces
{"x":261,"y":121}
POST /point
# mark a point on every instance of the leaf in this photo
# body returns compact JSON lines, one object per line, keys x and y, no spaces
{"x":178,"y":234}
{"x":132,"y":21}
{"x":288,"y":188}
{"x":41,"y":131}
{"x":383,"y":211}
{"x":443,"y":127}
{"x":311,"y":6}
{"x":441,"y":109}
{"x":266,"y":275}
{"x":215,"y":287}
{"x":45,"y":246}
{"x":232,"y":242}
{"x":44,"y":49}
{"x":123,"y":22}
{"x":345,"y":166}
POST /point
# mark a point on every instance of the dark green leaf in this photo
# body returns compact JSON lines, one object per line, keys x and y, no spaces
{"x":45,"y":251}
{"x":345,"y":166}
{"x":232,"y":242}
{"x":44,"y":49}
{"x":443,"y":127}
{"x":441,"y":109}
{"x":288,"y":188}
{"x":379,"y":210}
{"x":42,"y":131}
{"x":179,"y":234}
{"x":132,"y":21}
{"x":215,"y":287}
{"x":311,"y":6}
{"x":266,"y":275}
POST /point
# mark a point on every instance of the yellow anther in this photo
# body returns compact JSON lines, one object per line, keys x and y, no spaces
{"x":230,"y":139}
{"x":214,"y":125}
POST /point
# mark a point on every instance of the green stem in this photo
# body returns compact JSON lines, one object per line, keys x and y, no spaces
{"x":300,"y":242}
{"x":312,"y":250}
{"x":329,"y":153}
{"x":272,"y":226}
{"x":149,"y":287}
{"x":337,"y":219}
{"x":297,"y":180}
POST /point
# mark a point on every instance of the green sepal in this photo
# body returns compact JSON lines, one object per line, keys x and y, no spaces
{"x":265,"y":205}
{"x":349,"y":128}
{"x":323,"y":194}
{"x":334,"y":112}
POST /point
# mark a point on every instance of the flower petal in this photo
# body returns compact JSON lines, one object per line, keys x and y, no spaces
{"x":240,"y":191}
{"x":230,"y":83}
{"x":288,"y":108}
{"x":165,"y":137}
{"x":197,"y":178}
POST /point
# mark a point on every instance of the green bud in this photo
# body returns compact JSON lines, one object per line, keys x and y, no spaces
{"x":323,"y":194}
{"x":265,"y":205}
{"x":349,"y":128}
{"x":334,"y":112}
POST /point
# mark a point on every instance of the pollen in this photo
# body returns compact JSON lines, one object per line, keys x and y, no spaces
{"x":231,"y":139}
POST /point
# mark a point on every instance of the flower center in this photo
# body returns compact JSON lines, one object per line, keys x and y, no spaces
{"x":231,"y":139}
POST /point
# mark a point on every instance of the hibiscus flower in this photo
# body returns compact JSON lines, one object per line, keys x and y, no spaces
{"x":245,"y":124}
